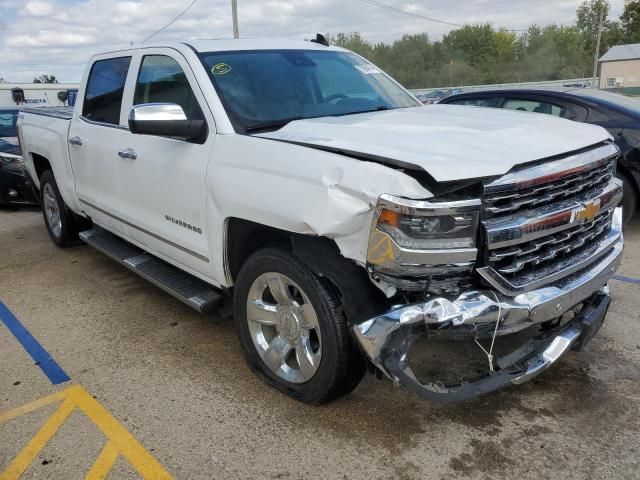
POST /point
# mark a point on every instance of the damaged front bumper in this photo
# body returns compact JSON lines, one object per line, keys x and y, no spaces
{"x":388,"y":338}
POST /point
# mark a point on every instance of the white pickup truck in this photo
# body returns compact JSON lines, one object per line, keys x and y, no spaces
{"x":347,"y":222}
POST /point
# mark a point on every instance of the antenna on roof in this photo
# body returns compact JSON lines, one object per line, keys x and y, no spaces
{"x":321,"y":40}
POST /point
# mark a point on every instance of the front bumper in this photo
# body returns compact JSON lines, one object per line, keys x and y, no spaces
{"x":387,"y":338}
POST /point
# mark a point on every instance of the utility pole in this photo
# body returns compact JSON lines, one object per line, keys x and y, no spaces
{"x":597,"y":54}
{"x":234,"y":14}
{"x":451,"y":73}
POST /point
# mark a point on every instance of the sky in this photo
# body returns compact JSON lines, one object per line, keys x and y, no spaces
{"x":58,"y":36}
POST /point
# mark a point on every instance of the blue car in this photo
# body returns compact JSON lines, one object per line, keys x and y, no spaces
{"x":14,"y":188}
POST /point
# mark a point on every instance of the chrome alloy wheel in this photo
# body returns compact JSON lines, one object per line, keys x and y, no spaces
{"x":52,"y":210}
{"x":284,"y":327}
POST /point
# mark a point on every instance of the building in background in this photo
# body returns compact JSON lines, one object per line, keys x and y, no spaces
{"x":37,"y":94}
{"x":620,"y":69}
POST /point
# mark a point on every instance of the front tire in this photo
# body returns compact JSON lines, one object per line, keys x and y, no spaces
{"x":292,"y":329}
{"x":57,"y":217}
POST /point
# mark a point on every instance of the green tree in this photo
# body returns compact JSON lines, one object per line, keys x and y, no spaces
{"x":45,"y":78}
{"x":352,"y":41}
{"x":480,"y":54}
{"x":410,"y":59}
{"x":588,"y":18}
{"x":630,"y":20}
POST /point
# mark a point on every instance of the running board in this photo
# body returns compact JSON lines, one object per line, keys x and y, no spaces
{"x":183,"y":286}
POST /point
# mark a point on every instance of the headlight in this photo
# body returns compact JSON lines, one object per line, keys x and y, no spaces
{"x":430,"y":225}
{"x":12,"y":163}
{"x":455,"y":230}
{"x":420,"y":238}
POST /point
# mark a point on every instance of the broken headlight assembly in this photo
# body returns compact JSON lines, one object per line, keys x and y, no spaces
{"x":11,"y":162}
{"x":418,"y":245}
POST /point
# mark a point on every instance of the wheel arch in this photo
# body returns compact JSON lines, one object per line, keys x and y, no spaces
{"x":360,"y":299}
{"x":40,"y":165}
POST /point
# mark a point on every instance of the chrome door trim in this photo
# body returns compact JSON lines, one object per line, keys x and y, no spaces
{"x":103,"y":124}
{"x":147,"y":232}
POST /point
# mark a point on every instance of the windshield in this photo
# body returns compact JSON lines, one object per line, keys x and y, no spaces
{"x":8,"y":120}
{"x":266,"y":88}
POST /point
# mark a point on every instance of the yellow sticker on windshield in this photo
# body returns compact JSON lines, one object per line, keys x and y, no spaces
{"x":220,"y":69}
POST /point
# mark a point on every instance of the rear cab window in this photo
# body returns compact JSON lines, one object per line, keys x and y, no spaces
{"x":105,"y":87}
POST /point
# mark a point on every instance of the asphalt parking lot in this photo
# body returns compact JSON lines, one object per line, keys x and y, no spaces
{"x":156,"y":388}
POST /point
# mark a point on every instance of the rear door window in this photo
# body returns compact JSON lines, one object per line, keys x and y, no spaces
{"x":105,"y":86}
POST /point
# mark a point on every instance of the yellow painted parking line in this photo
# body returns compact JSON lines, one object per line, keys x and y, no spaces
{"x":22,"y":461}
{"x":32,"y":407}
{"x":120,"y":441}
{"x":104,"y":463}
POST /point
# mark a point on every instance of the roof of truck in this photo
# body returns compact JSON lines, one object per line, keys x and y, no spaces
{"x":231,"y":44}
{"x":254,"y":44}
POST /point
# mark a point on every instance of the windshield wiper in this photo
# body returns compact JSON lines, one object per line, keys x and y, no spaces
{"x":377,"y":109}
{"x":270,"y":125}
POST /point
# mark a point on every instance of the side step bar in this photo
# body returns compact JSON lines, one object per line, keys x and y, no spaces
{"x":183,"y":286}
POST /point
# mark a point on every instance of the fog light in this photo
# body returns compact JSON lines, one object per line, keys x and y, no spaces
{"x":13,"y":193}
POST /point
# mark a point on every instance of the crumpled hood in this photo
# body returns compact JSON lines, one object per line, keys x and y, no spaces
{"x":450,"y":142}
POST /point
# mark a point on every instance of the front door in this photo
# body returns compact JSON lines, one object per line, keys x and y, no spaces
{"x":164,"y":178}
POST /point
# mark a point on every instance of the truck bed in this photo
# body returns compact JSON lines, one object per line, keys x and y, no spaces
{"x":64,"y":113}
{"x":43,"y":133}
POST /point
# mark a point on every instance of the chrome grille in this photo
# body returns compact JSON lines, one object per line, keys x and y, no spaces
{"x":546,"y":193}
{"x":542,"y":251}
{"x":545,"y":221}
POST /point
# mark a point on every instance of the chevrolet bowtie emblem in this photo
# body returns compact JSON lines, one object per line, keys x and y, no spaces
{"x":587,"y":212}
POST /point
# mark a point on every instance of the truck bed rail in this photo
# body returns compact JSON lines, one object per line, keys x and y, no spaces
{"x":64,"y":113}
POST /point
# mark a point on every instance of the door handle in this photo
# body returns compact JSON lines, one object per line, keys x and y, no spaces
{"x":128,"y":153}
{"x":75,"y":141}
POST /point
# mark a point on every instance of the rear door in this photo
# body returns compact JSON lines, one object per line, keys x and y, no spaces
{"x":96,"y":129}
{"x":164,"y":186}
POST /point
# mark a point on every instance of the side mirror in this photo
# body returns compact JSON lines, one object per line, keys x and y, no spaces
{"x":164,"y":119}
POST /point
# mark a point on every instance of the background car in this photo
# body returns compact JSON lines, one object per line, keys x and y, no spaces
{"x":13,"y":186}
{"x":431,"y":97}
{"x":619,"y":114}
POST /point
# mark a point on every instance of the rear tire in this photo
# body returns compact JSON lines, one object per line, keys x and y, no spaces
{"x":57,"y":217}
{"x":629,"y":198}
{"x":291,"y":307}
